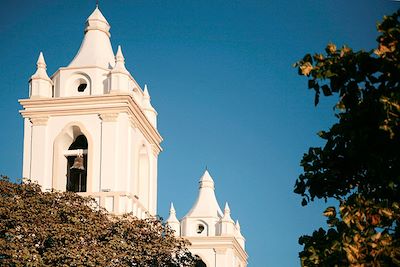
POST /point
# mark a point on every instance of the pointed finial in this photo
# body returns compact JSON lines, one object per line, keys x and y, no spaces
{"x":119,"y":62}
{"x":227,"y":209}
{"x":237,"y":224}
{"x":119,"y":57}
{"x":172,"y":216}
{"x":146,"y":91}
{"x":97,"y":3}
{"x":41,"y":69}
{"x":40,"y":62}
{"x":172,"y":209}
{"x":206,"y":177}
{"x":96,"y":21}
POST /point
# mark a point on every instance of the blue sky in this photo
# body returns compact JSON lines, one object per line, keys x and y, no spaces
{"x":220,"y":76}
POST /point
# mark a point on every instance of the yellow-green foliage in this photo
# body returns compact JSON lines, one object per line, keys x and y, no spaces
{"x":63,"y":229}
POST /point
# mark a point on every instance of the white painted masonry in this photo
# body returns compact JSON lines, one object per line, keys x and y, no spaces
{"x":213,"y":235}
{"x":97,"y":97}
{"x":95,"y":111}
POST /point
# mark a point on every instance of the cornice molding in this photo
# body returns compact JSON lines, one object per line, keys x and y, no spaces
{"x":132,"y":122}
{"x":100,"y":104}
{"x":155,"y":149}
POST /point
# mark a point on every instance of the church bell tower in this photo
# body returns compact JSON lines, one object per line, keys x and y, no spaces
{"x":214,"y":237}
{"x":90,"y":128}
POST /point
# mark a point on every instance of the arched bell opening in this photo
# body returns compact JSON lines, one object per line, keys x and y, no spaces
{"x":201,"y":228}
{"x":77,"y":165}
{"x":72,"y":145}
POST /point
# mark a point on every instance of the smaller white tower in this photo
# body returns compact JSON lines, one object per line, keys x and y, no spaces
{"x":213,"y":235}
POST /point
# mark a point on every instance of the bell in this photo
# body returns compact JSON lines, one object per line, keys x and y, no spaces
{"x":78,"y":163}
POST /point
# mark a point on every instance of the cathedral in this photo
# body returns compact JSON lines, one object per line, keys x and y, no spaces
{"x":90,"y":128}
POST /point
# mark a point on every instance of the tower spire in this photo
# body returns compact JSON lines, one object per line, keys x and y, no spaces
{"x":96,"y":47}
{"x":206,"y":204}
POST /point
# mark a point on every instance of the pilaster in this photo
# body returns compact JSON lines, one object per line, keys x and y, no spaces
{"x":38,"y":170}
{"x":220,"y":257}
{"x":109,"y":158}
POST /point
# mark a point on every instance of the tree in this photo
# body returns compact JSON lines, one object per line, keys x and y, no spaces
{"x":359,"y":165}
{"x":63,"y":229}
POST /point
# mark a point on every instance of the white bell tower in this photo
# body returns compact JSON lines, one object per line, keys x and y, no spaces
{"x":91,"y":129}
{"x":213,"y":235}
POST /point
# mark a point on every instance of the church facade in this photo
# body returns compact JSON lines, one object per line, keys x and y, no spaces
{"x":90,"y":128}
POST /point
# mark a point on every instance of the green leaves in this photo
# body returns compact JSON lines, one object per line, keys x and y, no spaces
{"x":359,"y":164}
{"x":62,"y":229}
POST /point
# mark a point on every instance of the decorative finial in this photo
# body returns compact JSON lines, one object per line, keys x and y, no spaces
{"x":172,"y":209}
{"x":40,"y":62}
{"x":119,"y":56}
{"x":97,"y":3}
{"x":237,"y":224}
{"x":227,"y":209}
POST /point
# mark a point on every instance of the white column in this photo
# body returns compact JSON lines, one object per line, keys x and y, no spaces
{"x":153,"y":182}
{"x":144,"y":175}
{"x":122,"y":142}
{"x":109,"y":157}
{"x":220,"y":257}
{"x":26,"y":168}
{"x":39,"y":160}
{"x":132,"y":159}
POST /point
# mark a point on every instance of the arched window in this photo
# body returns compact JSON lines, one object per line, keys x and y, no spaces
{"x":201,"y":228}
{"x":77,"y":165}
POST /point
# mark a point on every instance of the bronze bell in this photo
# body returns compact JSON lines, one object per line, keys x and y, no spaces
{"x":78,"y":163}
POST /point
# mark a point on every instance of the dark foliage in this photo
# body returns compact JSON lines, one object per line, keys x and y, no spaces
{"x":360,"y":162}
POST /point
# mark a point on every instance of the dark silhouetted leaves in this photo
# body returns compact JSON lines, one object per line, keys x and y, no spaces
{"x":359,"y":165}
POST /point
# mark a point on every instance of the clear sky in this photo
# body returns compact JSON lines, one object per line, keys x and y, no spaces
{"x":220,"y":76}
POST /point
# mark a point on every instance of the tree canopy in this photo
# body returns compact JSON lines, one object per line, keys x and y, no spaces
{"x":64,"y":229}
{"x":359,"y":165}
